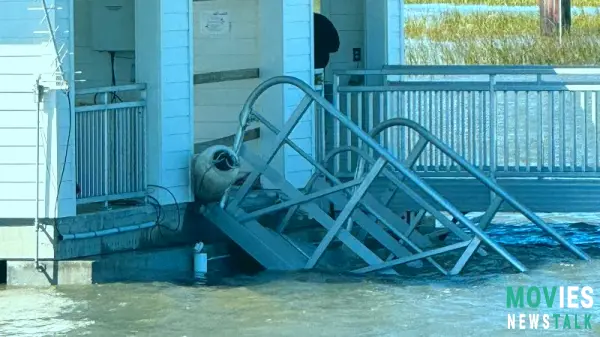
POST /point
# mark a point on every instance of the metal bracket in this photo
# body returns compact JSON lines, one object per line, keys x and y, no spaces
{"x":38,"y":92}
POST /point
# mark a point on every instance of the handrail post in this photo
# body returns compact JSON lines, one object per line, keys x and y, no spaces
{"x":144,"y":154}
{"x":336,"y":122}
{"x":493,"y":125}
{"x":105,"y":149}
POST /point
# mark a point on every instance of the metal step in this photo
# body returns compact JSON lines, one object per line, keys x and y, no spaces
{"x":270,"y":249}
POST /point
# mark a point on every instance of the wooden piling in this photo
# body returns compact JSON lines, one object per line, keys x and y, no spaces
{"x":551,"y":13}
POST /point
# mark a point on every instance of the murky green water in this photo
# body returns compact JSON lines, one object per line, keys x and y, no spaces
{"x":319,"y":304}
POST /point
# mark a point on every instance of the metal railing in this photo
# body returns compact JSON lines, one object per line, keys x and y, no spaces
{"x":110,"y":135}
{"x":514,"y":121}
{"x":358,"y":200}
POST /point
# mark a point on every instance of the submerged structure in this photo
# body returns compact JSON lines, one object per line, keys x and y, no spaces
{"x":362,"y":212}
{"x":105,"y":103}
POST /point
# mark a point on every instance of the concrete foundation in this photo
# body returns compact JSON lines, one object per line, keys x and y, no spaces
{"x":153,"y":254}
{"x":159,"y":265}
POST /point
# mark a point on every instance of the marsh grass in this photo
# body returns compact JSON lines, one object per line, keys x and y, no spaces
{"x":455,"y":26}
{"x":494,"y":38}
{"x":574,"y":50}
{"x":575,"y":3}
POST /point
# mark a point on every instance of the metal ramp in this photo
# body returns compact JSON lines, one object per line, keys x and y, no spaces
{"x":268,"y":247}
{"x":362,"y":214}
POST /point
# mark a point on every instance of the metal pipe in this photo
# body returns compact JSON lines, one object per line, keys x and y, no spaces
{"x":106,"y":232}
{"x":36,"y":219}
{"x":346,"y":212}
{"x":105,"y":153}
{"x":391,"y":70}
{"x":279,"y":140}
{"x":298,"y":201}
{"x":28,"y":259}
{"x":560,"y":21}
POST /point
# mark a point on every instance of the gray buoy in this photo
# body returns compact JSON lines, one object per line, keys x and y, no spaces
{"x":214,"y":170}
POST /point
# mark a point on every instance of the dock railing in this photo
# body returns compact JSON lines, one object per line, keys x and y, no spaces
{"x":110,"y":135}
{"x":510,"y":121}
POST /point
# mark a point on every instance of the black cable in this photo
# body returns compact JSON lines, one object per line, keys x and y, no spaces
{"x":113,"y":80}
{"x":176,"y":204}
{"x":159,"y":217}
{"x":113,"y":77}
{"x":62,"y":173}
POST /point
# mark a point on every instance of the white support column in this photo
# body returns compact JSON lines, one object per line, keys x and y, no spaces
{"x":395,"y":34}
{"x":384,"y":44}
{"x":376,"y":38}
{"x":286,"y":30}
{"x":59,"y":113}
{"x":147,"y":62}
{"x":163,"y":43}
{"x":384,"y":35}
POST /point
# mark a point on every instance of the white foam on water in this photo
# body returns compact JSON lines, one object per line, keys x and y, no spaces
{"x":550,"y":218}
{"x":29,"y":312}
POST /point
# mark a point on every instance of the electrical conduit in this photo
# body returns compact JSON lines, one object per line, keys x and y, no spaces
{"x":106,"y":232}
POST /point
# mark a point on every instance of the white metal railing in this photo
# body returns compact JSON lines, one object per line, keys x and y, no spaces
{"x":110,"y":135}
{"x":319,"y":115}
{"x":508,"y":120}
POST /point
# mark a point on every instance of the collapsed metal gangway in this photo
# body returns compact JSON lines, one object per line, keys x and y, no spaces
{"x":362,"y":214}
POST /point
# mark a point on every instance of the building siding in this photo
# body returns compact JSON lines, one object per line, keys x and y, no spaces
{"x":395,"y":29}
{"x":298,"y":62}
{"x":218,"y":105}
{"x":252,"y":43}
{"x":348,"y":18}
{"x":25,"y":55}
{"x":177,"y":98}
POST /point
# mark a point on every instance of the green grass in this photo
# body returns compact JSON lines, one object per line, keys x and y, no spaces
{"x":575,"y":3}
{"x":574,"y":50}
{"x":454,"y":26}
{"x":491,"y":38}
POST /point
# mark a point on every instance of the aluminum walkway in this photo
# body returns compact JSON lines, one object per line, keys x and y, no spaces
{"x":363,"y":214}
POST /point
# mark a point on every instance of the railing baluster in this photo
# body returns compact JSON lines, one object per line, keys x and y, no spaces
{"x":110,"y":146}
{"x":349,"y":109}
{"x":483,"y":120}
{"x":584,"y":101}
{"x":517,"y":156}
{"x":527,"y":139}
{"x":540,"y":121}
{"x":563,"y":122}
{"x":104,"y":152}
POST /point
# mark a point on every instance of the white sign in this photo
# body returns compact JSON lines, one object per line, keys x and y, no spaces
{"x":215,"y":22}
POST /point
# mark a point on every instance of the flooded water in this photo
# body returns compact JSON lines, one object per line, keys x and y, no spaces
{"x":319,"y":304}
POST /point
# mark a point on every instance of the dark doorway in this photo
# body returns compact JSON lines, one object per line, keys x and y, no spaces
{"x":3,"y":271}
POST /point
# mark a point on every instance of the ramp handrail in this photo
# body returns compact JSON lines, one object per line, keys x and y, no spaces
{"x":470,"y":168}
{"x":312,"y":96}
